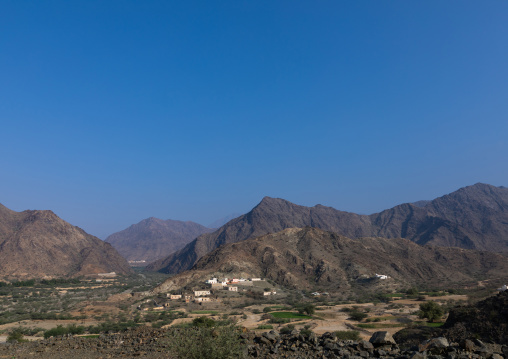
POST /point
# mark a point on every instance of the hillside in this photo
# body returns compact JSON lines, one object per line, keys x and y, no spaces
{"x":154,"y":238}
{"x":312,"y":258}
{"x":473,"y":217}
{"x":36,"y":244}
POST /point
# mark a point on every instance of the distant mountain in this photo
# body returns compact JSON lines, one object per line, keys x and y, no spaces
{"x":36,"y":244}
{"x":154,"y":238}
{"x":311,"y":258}
{"x":222,"y":221}
{"x":473,"y":217}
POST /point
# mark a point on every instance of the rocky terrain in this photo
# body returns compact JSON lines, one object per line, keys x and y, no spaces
{"x":144,"y":342}
{"x":486,"y":320}
{"x":154,"y":238}
{"x":37,"y":244}
{"x":309,"y":258}
{"x":473,"y":217}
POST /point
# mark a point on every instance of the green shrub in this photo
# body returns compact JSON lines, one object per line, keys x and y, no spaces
{"x":357,"y":315}
{"x":306,"y":332}
{"x":61,"y":330}
{"x":265,"y":326}
{"x":348,"y":335}
{"x":287,"y":329}
{"x":203,"y":322}
{"x":16,"y":336}
{"x":274,"y":320}
{"x":204,"y":342}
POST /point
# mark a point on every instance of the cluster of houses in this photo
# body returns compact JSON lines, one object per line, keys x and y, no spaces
{"x":203,"y":295}
{"x":199,"y":296}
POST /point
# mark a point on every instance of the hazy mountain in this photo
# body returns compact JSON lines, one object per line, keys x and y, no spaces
{"x":222,"y":221}
{"x":473,"y":217}
{"x":154,"y":238}
{"x":35,"y":244}
{"x":313,"y":258}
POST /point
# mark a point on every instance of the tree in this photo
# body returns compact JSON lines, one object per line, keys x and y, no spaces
{"x":306,"y":308}
{"x":357,"y":315}
{"x":412,"y":292}
{"x":430,"y":310}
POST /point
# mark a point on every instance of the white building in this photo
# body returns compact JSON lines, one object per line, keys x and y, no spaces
{"x":200,"y":293}
{"x":503,"y":288}
{"x":202,"y":299}
{"x":211,"y":281}
{"x":233,"y":289}
{"x":381,"y":276}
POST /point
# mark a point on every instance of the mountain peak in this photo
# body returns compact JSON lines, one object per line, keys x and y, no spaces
{"x":32,"y":239}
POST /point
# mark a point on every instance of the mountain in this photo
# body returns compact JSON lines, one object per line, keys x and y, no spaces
{"x":154,"y":238}
{"x":222,"y":221}
{"x":310,"y":258}
{"x":36,"y":244}
{"x":473,"y":217}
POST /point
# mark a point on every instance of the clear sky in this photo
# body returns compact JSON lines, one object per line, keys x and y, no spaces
{"x":115,"y":111}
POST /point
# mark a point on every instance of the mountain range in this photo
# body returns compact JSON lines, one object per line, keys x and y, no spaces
{"x":310,"y":258}
{"x":37,"y":244}
{"x":154,"y":238}
{"x":473,"y":217}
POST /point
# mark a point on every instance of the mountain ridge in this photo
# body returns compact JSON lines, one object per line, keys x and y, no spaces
{"x":311,"y":258}
{"x":473,"y":217}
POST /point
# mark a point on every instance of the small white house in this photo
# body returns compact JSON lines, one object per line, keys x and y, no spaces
{"x":233,"y":289}
{"x":503,"y":288}
{"x":381,"y":276}
{"x":255,"y":279}
{"x":202,"y":299}
{"x":201,"y":293}
{"x":175,"y":296}
{"x":211,"y":281}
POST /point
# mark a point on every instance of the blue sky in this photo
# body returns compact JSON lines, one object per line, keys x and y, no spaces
{"x":115,"y":111}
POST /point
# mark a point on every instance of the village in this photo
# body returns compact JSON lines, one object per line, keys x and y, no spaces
{"x":214,"y":290}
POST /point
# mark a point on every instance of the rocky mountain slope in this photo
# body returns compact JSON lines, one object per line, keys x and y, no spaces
{"x":154,"y":238}
{"x":36,"y":244}
{"x":312,"y":258}
{"x":473,"y":217}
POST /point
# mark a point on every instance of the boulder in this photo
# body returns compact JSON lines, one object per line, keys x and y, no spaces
{"x":435,"y":345}
{"x":382,"y":338}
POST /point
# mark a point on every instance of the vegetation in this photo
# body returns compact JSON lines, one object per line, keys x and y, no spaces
{"x":307,"y":308}
{"x":357,"y":315}
{"x":16,"y":336}
{"x":287,"y":329}
{"x":431,"y":311}
{"x":61,"y":330}
{"x":265,"y":326}
{"x":348,"y":335}
{"x":219,"y":342}
{"x":290,"y":315}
